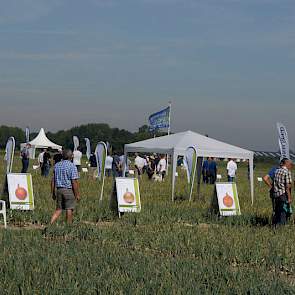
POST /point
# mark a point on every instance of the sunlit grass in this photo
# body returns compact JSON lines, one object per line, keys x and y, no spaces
{"x":170,"y":247}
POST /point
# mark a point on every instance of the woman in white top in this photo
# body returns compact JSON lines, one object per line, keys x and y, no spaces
{"x":162,"y":167}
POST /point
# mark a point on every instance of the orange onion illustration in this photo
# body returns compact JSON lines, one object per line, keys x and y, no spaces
{"x":228,"y":201}
{"x":21,"y":193}
{"x":129,"y":197}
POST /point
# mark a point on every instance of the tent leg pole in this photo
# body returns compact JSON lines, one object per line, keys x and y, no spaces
{"x":199,"y":175}
{"x":174,"y":165}
{"x":251,"y":166}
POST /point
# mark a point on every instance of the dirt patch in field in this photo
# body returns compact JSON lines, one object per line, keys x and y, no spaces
{"x":27,"y":226}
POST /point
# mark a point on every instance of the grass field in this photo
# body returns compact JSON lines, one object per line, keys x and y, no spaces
{"x":169,"y":248}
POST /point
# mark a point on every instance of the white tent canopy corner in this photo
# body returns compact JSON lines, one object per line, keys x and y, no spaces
{"x":41,"y":141}
{"x":175,"y":145}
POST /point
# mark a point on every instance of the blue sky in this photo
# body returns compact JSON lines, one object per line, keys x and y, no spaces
{"x":227,"y":65}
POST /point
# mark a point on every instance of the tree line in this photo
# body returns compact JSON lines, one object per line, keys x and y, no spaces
{"x":95,"y":132}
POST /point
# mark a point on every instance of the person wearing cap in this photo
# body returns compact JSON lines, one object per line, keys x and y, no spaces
{"x":282,"y":192}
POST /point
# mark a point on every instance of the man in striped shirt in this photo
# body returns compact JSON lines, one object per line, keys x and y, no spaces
{"x":65,"y":187}
{"x":282,"y":192}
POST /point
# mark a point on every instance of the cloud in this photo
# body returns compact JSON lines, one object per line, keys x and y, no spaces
{"x":15,"y":11}
{"x":39,"y":32}
{"x":48,"y":56}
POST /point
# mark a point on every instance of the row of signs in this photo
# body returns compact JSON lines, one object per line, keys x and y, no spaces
{"x":21,"y":197}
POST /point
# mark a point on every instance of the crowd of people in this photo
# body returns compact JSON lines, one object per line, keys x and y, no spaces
{"x":67,"y":168}
{"x":155,"y":166}
{"x":209,"y":170}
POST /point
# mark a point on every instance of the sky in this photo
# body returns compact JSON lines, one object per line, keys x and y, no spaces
{"x":228,"y":66}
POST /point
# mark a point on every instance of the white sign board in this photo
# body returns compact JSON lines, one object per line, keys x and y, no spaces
{"x":128,"y":194}
{"x":20,"y":188}
{"x":228,"y":200}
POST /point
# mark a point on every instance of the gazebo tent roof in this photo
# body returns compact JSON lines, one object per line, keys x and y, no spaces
{"x":179,"y":142}
{"x":41,"y":141}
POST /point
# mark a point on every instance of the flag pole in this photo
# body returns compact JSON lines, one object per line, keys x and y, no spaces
{"x":170,"y":107}
{"x":169,"y":131}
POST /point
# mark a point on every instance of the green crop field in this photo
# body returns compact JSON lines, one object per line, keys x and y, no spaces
{"x":169,"y":248}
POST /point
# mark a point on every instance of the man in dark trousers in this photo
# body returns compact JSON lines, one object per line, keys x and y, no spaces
{"x":212,"y":168}
{"x":269,"y":181}
{"x":282,"y":192}
{"x":25,"y":155}
{"x":205,"y":171}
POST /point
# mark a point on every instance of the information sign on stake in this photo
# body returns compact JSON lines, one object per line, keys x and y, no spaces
{"x":128,"y":195}
{"x":20,"y":188}
{"x":228,"y":200}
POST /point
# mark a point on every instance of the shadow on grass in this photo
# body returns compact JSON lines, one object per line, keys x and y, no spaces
{"x":243,"y":220}
{"x":181,"y":198}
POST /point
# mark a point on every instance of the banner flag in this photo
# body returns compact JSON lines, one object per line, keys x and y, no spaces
{"x":191,"y":165}
{"x":27,"y":134}
{"x":160,"y":120}
{"x":9,"y":154}
{"x":101,"y":155}
{"x":108,"y":147}
{"x":76,"y":142}
{"x":283,"y":141}
{"x":88,"y":148}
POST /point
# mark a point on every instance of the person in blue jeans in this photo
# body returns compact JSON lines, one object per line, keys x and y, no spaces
{"x":205,"y":171}
{"x":212,"y":167}
{"x":25,"y":156}
{"x":46,"y":164}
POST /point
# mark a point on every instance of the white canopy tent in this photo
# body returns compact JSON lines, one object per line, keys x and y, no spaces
{"x":41,"y":142}
{"x":176,"y":145}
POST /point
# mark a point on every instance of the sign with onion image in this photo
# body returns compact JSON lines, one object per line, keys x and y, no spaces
{"x":20,"y":189}
{"x":228,"y":200}
{"x":128,"y":194}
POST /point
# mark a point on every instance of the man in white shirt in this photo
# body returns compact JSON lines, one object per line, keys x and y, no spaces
{"x":109,"y":164}
{"x":40,"y":158}
{"x":139,"y":164}
{"x":162,"y":167}
{"x":231,"y":170}
{"x":77,"y":156}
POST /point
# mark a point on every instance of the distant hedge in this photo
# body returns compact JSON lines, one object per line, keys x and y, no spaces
{"x":95,"y":132}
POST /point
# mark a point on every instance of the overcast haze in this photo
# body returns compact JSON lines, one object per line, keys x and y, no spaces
{"x":227,"y":65}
